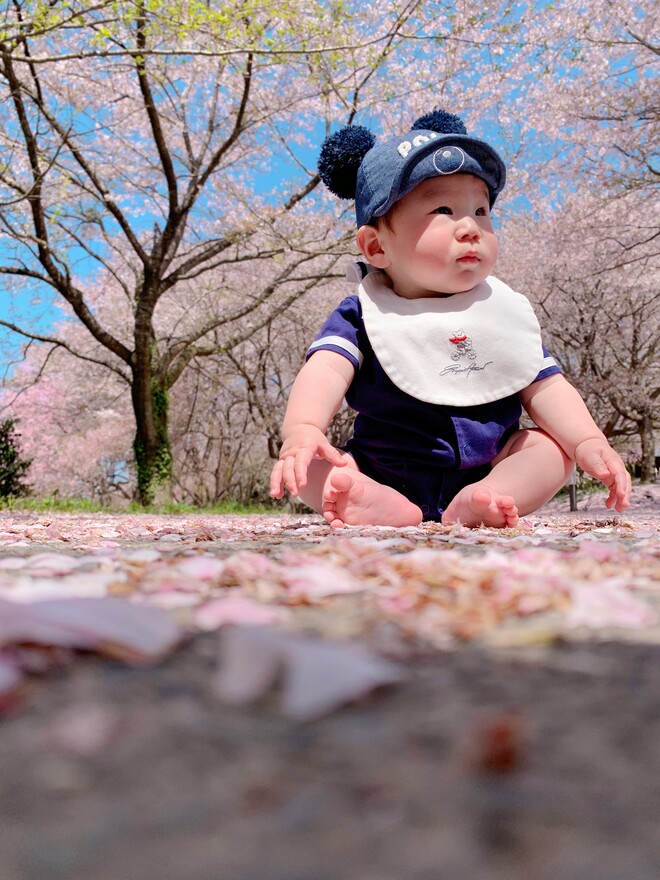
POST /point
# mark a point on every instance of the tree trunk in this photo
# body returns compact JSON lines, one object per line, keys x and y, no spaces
{"x":153,"y":456}
{"x":647,"y":438}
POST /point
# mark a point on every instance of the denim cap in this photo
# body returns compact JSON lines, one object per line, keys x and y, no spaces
{"x":391,"y":170}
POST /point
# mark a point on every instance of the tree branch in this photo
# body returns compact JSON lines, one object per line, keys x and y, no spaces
{"x":643,"y":42}
{"x":276,"y":54}
{"x":206,"y":351}
{"x":37,"y":337}
{"x":154,"y":119}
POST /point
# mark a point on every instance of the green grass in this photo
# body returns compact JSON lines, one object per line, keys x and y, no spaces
{"x":84,"y":505}
{"x":221,"y":507}
{"x":43,"y":505}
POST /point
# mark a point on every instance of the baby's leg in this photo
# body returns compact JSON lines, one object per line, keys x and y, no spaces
{"x":529,"y":471}
{"x":344,"y":496}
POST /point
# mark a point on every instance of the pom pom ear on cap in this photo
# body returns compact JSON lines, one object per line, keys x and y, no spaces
{"x":441,"y":122}
{"x":341,"y":156}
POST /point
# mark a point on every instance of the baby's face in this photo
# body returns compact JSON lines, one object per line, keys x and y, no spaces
{"x":441,"y":238}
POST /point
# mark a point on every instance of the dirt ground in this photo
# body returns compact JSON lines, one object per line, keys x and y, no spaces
{"x":493,"y":758}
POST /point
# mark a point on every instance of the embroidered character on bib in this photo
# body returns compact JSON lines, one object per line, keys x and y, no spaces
{"x":463,"y":345}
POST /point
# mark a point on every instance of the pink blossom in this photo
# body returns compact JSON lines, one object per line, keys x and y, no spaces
{"x":607,"y":604}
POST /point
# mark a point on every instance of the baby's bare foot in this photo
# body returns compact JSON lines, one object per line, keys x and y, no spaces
{"x":357,"y":501}
{"x":476,"y":505}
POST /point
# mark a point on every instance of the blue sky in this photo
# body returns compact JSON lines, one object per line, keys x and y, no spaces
{"x":21,"y":310}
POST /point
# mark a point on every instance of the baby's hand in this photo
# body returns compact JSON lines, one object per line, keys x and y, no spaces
{"x":302,"y":444}
{"x":597,"y":458}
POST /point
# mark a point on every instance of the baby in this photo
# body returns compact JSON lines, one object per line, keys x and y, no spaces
{"x":435,"y":354}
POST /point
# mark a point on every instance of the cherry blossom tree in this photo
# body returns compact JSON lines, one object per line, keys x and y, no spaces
{"x":228,"y":409}
{"x":226,"y":412}
{"x":141,"y":139}
{"x":159,"y":180}
{"x":75,"y":425}
{"x":582,"y":96}
{"x":593,"y":270}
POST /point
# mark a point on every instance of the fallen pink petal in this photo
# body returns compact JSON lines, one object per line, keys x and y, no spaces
{"x":315,"y":677}
{"x":113,"y":626}
{"x":237,"y":610}
{"x":608,"y":603}
{"x":318,"y":579}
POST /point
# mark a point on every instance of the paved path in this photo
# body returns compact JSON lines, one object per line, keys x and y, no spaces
{"x":522,"y":740}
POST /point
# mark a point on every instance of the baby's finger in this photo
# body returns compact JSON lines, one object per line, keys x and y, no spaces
{"x":619,"y":485}
{"x":624,"y":489}
{"x":333,"y":455}
{"x":276,"y":485}
{"x":300,"y":468}
{"x":289,"y":475}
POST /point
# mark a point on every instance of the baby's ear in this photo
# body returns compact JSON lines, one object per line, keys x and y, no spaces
{"x":368,"y":240}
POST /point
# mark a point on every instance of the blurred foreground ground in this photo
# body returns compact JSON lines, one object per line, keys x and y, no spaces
{"x":515,"y":745}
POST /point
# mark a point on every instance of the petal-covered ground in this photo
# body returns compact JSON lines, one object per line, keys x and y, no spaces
{"x":260,"y":698}
{"x":134,"y":586}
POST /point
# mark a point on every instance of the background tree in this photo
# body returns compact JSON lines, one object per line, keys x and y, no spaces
{"x":139,"y":136}
{"x":13,"y":466}
{"x":598,"y":297}
{"x":75,"y":425}
{"x":226,"y":413}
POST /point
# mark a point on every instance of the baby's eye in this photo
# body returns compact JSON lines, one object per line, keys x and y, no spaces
{"x":482,"y":212}
{"x":444,"y":209}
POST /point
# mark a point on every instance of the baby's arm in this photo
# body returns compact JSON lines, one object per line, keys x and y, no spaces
{"x":315,"y":398}
{"x":557,"y":407}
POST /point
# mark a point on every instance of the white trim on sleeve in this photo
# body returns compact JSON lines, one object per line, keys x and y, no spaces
{"x":547,"y":363}
{"x":339,"y":342}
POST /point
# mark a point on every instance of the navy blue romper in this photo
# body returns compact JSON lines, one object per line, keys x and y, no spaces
{"x":425,"y":451}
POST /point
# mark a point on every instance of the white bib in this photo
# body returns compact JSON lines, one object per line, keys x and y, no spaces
{"x":460,"y":350}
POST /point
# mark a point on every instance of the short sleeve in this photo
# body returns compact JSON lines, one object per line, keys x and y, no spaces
{"x":343,"y":332}
{"x":549,"y":366}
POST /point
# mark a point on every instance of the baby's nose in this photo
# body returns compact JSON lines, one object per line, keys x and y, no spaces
{"x":468,"y":230}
